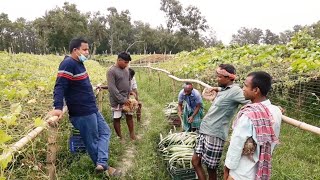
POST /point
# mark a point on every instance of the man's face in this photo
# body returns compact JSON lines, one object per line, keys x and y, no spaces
{"x":223,"y":81}
{"x":122,"y":63}
{"x":188,"y":90}
{"x":83,"y":49}
{"x":248,"y":91}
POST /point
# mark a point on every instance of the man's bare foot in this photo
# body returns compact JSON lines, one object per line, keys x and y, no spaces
{"x":99,"y":168}
{"x":137,"y":137}
{"x":114,"y":172}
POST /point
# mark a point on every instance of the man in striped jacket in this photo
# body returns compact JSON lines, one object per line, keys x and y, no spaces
{"x":73,"y":85}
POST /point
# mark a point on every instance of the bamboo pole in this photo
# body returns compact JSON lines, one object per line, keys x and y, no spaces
{"x":301,"y":125}
{"x":157,"y":69}
{"x":52,"y":152}
{"x":100,"y":100}
{"x":190,"y":80}
{"x":52,"y":146}
{"x":173,"y":87}
{"x":159,"y":83}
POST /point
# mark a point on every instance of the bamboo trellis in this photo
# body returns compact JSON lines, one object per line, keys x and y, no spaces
{"x":286,"y":119}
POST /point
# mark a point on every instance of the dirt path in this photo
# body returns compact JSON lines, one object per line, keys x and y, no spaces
{"x":128,"y":156}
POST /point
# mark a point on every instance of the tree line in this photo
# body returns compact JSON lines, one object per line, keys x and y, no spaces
{"x":113,"y":31}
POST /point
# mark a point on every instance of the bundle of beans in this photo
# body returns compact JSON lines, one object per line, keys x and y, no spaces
{"x":178,"y":148}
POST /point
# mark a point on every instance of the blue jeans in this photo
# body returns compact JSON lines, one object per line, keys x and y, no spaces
{"x":95,"y":133}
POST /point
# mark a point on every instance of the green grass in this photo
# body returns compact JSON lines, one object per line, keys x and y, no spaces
{"x":297,"y":156}
{"x":154,"y":96}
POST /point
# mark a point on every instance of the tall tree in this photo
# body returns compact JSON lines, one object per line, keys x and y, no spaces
{"x":246,"y":36}
{"x":315,"y":30}
{"x":63,"y":24}
{"x":5,"y":28}
{"x":97,"y":30}
{"x":185,"y":23}
{"x":211,"y":39}
{"x":270,"y":37}
{"x":285,"y":36}
{"x":192,"y":22}
{"x":173,"y":10}
{"x":119,"y":30}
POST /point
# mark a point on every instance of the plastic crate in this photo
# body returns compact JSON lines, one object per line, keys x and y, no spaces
{"x":182,"y":174}
{"x":76,"y":144}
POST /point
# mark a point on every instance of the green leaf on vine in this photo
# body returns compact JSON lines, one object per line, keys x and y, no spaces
{"x":38,"y":122}
{"x":9,"y":119}
{"x":4,"y":137}
{"x":16,"y":108}
{"x":4,"y":162}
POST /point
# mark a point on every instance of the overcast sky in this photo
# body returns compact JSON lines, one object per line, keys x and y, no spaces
{"x":224,"y":16}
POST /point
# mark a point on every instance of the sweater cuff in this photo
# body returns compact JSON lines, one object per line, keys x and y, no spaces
{"x":58,"y":107}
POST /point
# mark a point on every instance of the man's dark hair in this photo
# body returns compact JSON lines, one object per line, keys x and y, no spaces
{"x":125,"y":56}
{"x":76,"y":43}
{"x":186,"y":84}
{"x":229,"y":68}
{"x":131,"y":73}
{"x":262,"y":80}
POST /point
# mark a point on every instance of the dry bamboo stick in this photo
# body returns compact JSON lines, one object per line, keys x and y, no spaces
{"x":157,"y":69}
{"x":301,"y":125}
{"x":100,"y":96}
{"x":190,"y":80}
{"x":52,"y":152}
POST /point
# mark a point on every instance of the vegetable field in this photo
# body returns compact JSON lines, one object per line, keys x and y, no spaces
{"x":26,"y":84}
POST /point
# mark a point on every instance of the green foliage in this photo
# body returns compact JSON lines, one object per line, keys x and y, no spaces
{"x":300,"y":56}
{"x":4,"y":137}
{"x":26,"y":85}
{"x":38,"y":122}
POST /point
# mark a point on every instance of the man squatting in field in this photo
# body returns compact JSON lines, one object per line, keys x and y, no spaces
{"x":191,"y":101}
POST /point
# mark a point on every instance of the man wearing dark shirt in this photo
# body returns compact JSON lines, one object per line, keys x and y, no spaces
{"x":73,"y":85}
{"x":119,"y":89}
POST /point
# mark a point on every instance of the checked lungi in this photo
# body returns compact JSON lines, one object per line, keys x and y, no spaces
{"x":210,"y":148}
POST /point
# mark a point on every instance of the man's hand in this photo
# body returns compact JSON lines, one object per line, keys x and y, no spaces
{"x":225,"y":173}
{"x":216,"y":89}
{"x":127,"y":103}
{"x":56,"y":112}
{"x":190,"y":119}
{"x":209,"y":93}
{"x":100,"y":87}
{"x":282,"y":110}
